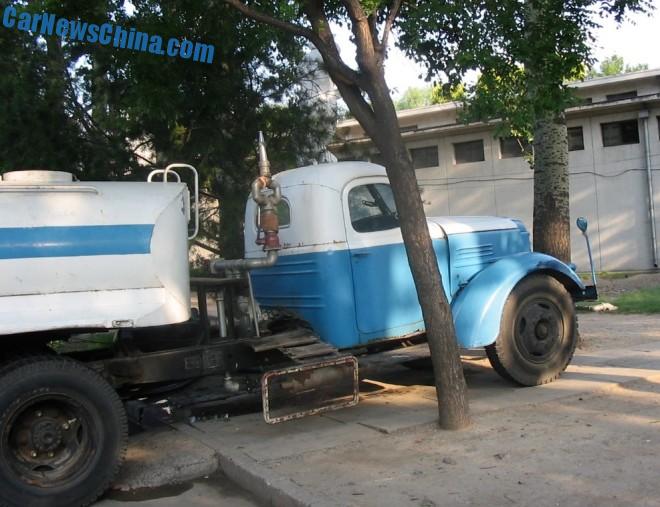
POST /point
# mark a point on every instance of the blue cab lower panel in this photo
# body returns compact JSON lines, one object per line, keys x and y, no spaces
{"x":350,"y":297}
{"x":318,"y":287}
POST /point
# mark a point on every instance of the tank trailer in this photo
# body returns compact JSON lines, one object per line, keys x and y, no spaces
{"x":98,"y":327}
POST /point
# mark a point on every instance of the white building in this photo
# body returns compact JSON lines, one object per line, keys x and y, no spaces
{"x":614,"y":139}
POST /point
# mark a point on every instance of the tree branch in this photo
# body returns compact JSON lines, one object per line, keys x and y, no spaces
{"x":325,"y":43}
{"x":265,"y":18}
{"x":364,"y":38}
{"x":373,"y":25}
{"x":389,"y":23}
{"x":321,"y":38}
{"x":204,"y":246}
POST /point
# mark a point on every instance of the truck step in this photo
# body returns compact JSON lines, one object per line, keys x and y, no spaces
{"x":317,"y":349}
{"x":287,"y":339}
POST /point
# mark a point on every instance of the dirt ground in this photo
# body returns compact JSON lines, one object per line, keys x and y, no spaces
{"x":602,"y":331}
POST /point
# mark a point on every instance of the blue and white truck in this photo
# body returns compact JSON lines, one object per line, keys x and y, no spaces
{"x":97,"y":323}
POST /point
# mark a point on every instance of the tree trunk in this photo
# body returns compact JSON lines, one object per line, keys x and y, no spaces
{"x":451,"y":389}
{"x":378,"y":118}
{"x":552,"y":233}
{"x":552,"y":217}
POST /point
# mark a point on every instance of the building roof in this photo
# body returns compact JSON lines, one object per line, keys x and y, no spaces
{"x":620,"y":78}
{"x":431,"y":120}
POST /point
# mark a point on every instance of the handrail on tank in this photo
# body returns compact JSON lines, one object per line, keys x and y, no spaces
{"x":170,"y":170}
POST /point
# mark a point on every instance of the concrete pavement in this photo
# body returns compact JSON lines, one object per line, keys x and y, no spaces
{"x":582,"y":439}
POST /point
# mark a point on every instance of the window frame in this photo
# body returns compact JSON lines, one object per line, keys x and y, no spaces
{"x":627,"y":95}
{"x":568,"y":137}
{"x":380,"y":208}
{"x":523,"y":147}
{"x":603,"y":125}
{"x":257,"y":215}
{"x":427,"y":147}
{"x":472,"y":141}
{"x":366,"y":239}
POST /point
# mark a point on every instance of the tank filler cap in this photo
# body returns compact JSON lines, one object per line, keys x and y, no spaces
{"x":37,"y":177}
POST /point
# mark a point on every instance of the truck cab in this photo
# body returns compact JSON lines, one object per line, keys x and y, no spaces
{"x":343,"y":267}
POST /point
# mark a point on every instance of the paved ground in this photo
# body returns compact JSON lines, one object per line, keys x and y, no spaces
{"x":214,"y":491}
{"x":589,"y":439}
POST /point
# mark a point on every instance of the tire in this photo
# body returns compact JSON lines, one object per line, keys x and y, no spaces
{"x":538,"y":332}
{"x":63,"y":433}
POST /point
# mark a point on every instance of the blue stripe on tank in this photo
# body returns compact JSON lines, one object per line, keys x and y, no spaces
{"x":75,"y":241}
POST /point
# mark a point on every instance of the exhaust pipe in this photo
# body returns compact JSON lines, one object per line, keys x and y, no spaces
{"x":219,"y":265}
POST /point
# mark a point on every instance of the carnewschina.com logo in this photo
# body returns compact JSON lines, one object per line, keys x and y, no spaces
{"x":107,"y":34}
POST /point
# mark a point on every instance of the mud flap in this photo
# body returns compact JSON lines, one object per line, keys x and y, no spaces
{"x":308,"y":389}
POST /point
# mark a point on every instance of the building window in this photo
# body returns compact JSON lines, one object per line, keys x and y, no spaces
{"x":658,"y":118}
{"x":470,"y":151}
{"x":511,"y":147}
{"x":622,"y":96}
{"x":372,"y":208}
{"x":408,"y":128}
{"x":424,"y":157}
{"x":620,"y":132}
{"x":575,"y":139}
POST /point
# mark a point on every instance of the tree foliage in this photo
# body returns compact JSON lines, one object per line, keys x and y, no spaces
{"x":438,"y":94}
{"x":613,"y":66}
{"x":525,"y":62}
{"x":105,"y":113}
{"x":415,"y":97}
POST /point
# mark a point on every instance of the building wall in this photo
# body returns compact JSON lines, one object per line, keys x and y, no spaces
{"x":609,"y":185}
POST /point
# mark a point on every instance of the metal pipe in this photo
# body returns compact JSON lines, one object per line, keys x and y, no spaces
{"x":264,"y":164}
{"x":222,"y":316}
{"x":644,"y":116}
{"x":219,"y":265}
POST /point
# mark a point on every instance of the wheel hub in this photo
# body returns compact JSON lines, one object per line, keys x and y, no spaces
{"x":46,"y":435}
{"x":49,"y":441}
{"x":539,"y":329}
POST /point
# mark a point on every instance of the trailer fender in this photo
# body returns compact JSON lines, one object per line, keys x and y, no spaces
{"x":478,"y":306}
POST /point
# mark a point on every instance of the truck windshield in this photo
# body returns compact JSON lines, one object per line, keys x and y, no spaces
{"x":372,"y":208}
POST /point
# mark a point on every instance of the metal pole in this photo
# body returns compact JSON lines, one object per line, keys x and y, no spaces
{"x":222,"y":316}
{"x":253,"y":304}
{"x":644,"y":116}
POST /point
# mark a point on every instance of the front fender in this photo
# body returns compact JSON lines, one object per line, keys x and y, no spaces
{"x":477,"y":308}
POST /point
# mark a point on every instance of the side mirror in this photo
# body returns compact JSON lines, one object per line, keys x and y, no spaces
{"x":582,"y":224}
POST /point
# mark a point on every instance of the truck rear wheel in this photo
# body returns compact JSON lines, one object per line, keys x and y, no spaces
{"x":538,"y":332}
{"x":63,"y":433}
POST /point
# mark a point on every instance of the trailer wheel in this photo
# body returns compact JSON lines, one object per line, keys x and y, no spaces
{"x":63,"y":433}
{"x":538,"y":332}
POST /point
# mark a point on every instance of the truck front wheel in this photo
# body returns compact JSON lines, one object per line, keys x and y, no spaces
{"x":538,"y":332}
{"x":63,"y":433}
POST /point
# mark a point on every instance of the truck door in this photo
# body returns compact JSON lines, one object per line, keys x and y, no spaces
{"x":386,"y":303}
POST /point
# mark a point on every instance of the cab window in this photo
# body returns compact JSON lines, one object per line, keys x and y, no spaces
{"x":372,"y":208}
{"x":283,"y":214}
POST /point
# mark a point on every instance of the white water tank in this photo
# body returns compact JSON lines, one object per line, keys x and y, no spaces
{"x":91,"y":254}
